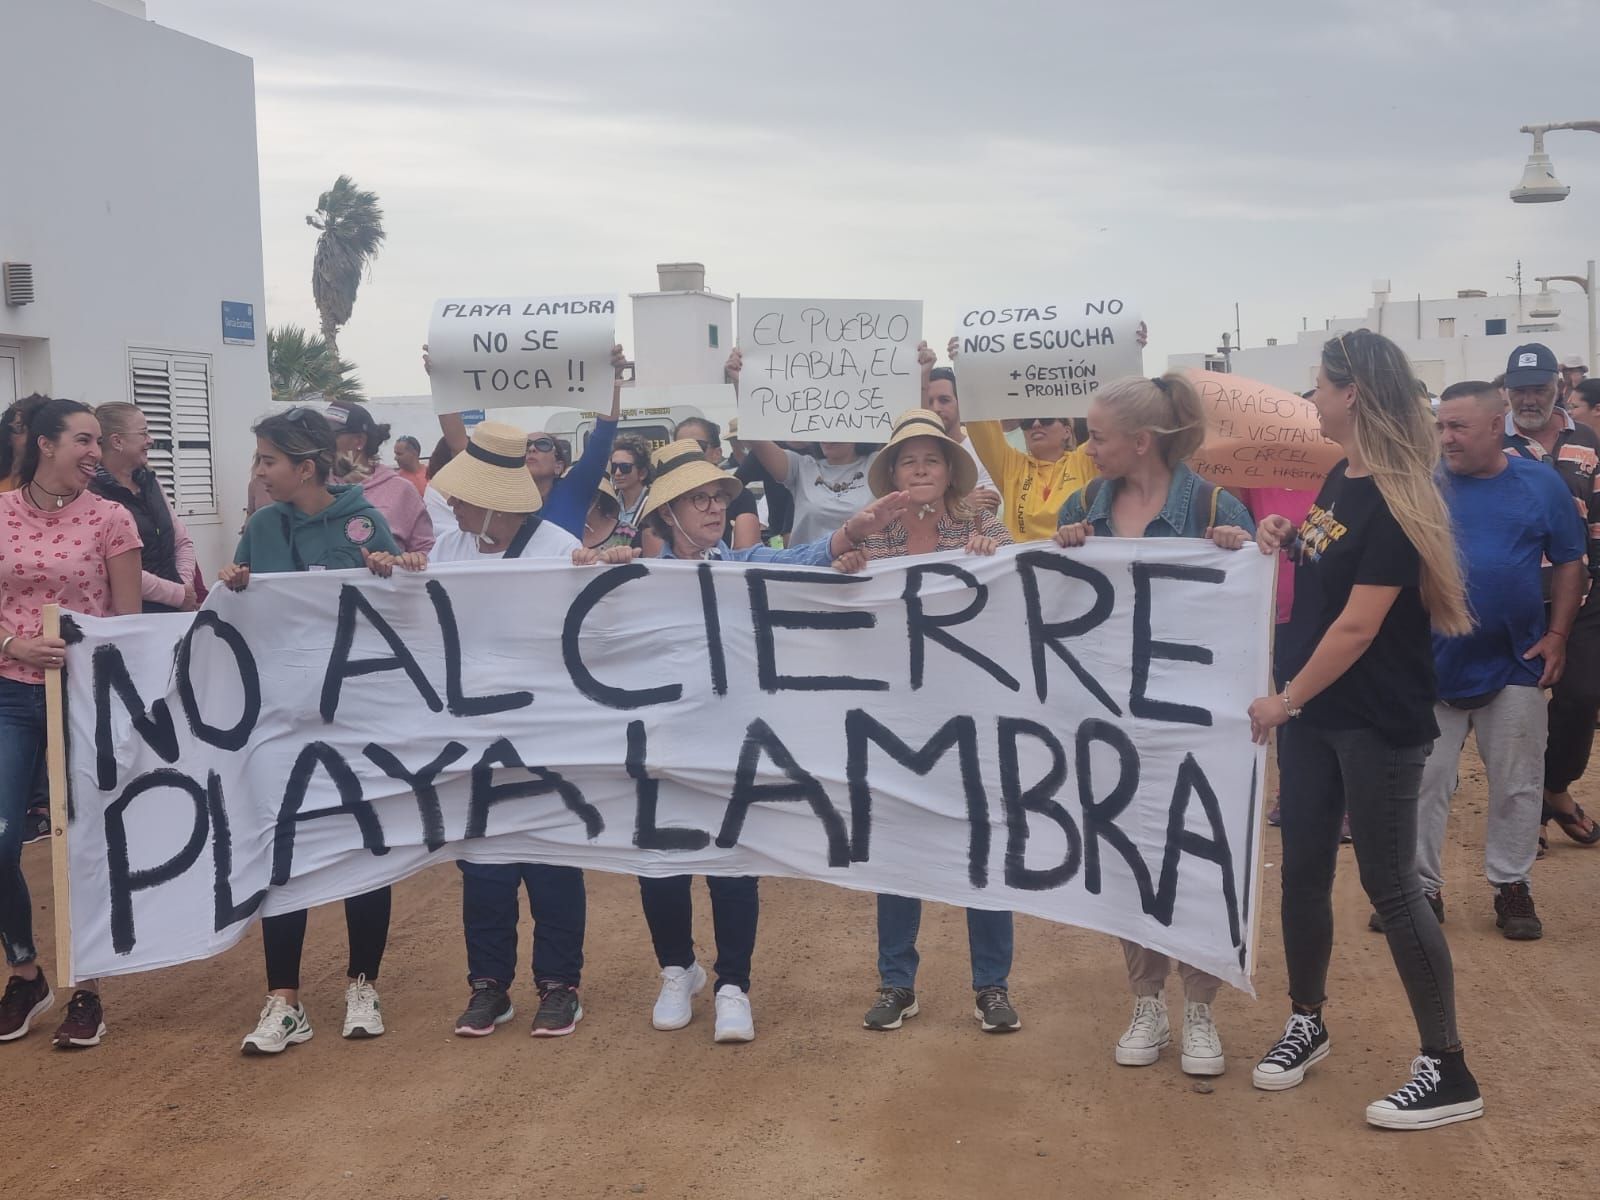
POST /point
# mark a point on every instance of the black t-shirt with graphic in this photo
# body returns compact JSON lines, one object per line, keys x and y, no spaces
{"x":1350,"y":538}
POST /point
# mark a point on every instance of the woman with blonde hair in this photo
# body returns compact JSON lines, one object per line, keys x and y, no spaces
{"x":1375,"y":566}
{"x":1141,"y":434}
{"x":124,"y":475}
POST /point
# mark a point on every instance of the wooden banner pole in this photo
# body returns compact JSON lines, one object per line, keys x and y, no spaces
{"x":56,"y":761}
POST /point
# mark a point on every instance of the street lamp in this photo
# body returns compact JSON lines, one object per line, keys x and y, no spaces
{"x":1539,"y":184}
{"x":1544,"y":304}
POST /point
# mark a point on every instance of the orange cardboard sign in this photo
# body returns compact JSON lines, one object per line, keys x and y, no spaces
{"x":1260,"y":436}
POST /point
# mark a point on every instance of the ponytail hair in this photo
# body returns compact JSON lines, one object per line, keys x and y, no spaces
{"x":48,"y":421}
{"x":1394,"y":431}
{"x":1168,"y":407}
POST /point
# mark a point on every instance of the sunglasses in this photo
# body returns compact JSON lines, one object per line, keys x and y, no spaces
{"x":622,"y":468}
{"x":1030,"y":422}
{"x":705,"y":445}
{"x":543,"y":445}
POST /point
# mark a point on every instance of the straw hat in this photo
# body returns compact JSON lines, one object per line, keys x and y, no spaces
{"x":677,"y":469}
{"x":915,"y":423}
{"x":493,"y":473}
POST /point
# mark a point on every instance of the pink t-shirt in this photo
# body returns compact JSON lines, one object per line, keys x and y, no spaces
{"x":1281,"y":502}
{"x":57,"y":557}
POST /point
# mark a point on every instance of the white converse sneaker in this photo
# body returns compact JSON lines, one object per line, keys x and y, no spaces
{"x":1202,"y":1044}
{"x":735,"y":1022}
{"x":362,"y":1016}
{"x":1148,"y":1034}
{"x":281,"y":1025}
{"x":679,"y":986}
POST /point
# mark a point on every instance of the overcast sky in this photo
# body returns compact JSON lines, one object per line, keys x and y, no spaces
{"x":1188,"y":155}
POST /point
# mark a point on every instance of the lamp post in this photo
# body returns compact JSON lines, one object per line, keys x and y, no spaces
{"x":1587,"y":283}
{"x":1539,"y":184}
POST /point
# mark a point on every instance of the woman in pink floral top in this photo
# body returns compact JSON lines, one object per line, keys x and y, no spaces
{"x":923,"y":460}
{"x":59,"y":544}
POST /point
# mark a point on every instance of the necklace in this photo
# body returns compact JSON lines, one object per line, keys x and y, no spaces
{"x":59,"y":497}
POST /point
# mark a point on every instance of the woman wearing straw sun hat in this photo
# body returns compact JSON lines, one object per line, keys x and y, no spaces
{"x":496,"y":505}
{"x":687,"y":509}
{"x":938,"y":473}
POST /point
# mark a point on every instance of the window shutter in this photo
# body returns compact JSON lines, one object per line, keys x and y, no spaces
{"x":173,"y":390}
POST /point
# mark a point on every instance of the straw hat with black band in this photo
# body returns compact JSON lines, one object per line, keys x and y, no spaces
{"x":677,"y":469}
{"x":916,"y":423}
{"x":493,"y":473}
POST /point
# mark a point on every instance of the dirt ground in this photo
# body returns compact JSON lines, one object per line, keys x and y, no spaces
{"x":817,"y":1107}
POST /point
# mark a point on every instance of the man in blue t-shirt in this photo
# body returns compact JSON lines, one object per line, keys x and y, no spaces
{"x":1510,"y":516}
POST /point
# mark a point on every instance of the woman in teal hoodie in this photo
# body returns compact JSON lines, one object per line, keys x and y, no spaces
{"x":313,"y":525}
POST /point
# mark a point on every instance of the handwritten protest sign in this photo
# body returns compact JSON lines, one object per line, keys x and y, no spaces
{"x":1043,"y":360}
{"x":827,"y":370}
{"x":522,"y":352}
{"x":1062,"y":735}
{"x":1260,"y":436}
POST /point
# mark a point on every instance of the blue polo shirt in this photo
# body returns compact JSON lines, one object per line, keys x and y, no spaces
{"x":1505,"y":527}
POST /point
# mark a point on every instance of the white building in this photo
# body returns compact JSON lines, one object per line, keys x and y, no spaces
{"x":1467,"y":337}
{"x":129,"y":186}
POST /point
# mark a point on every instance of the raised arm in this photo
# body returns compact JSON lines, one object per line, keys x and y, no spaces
{"x":770,"y":455}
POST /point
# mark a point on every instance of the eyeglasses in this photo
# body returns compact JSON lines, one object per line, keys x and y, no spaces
{"x":299,"y":412}
{"x":706,"y":501}
{"x":543,"y":445}
{"x":622,"y":468}
{"x":1030,"y":422}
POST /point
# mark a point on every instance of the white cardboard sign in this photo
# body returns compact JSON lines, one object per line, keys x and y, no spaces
{"x":522,"y":352}
{"x":827,"y":370}
{"x":1043,"y":360}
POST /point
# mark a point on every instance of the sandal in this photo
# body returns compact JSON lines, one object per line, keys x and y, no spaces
{"x":1572,"y":824}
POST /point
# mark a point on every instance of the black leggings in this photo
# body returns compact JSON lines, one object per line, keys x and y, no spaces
{"x":366,"y":920}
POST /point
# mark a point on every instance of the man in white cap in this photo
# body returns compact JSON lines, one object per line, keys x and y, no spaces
{"x":1574,"y":370}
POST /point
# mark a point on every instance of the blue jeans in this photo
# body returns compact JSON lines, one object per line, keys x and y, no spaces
{"x":735,"y":912}
{"x":489,"y":912}
{"x":21,"y":760}
{"x":988,"y":939}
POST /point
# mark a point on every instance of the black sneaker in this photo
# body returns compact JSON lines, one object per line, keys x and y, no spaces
{"x":994,"y":1011}
{"x":1441,"y":1092}
{"x":85,"y":1023}
{"x":24,"y":1000}
{"x":893,"y":1007}
{"x":1514,"y":915}
{"x":36,"y":827}
{"x":559,"y":1010}
{"x":1304,"y":1042}
{"x":490,"y":1006}
{"x":1435,"y":901}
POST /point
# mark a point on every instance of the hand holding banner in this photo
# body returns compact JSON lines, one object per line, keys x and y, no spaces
{"x":1044,"y":360}
{"x":827,"y":370}
{"x":522,"y":352}
{"x":1260,"y":436}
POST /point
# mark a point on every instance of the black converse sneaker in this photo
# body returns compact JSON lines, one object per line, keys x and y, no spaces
{"x":1441,"y":1092}
{"x":1304,"y":1041}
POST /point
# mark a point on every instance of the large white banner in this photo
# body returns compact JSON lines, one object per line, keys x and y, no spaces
{"x":1059,"y":734}
{"x":521,"y":352}
{"x":827,"y":370}
{"x":1043,"y":360}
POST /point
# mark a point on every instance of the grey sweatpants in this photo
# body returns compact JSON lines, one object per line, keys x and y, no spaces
{"x":1511,"y":741}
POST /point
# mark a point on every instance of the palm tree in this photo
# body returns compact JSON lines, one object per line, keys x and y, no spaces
{"x":352,"y":230}
{"x":302,"y":368}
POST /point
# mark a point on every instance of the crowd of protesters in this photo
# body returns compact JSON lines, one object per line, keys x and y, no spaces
{"x":1438,"y":583}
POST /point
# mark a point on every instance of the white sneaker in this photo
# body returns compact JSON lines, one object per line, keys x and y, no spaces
{"x":735,"y":1022}
{"x":1148,"y":1034}
{"x":281,"y":1025}
{"x":679,"y":985}
{"x":1202,"y":1044}
{"x":362,"y":1016}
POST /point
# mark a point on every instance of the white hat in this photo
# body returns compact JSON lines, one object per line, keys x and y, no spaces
{"x":1574,"y":362}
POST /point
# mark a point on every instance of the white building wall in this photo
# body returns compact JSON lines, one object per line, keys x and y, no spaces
{"x":1469,"y":352}
{"x":672,"y":342}
{"x":128,"y":179}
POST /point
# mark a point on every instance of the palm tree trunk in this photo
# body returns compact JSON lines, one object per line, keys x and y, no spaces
{"x":330,"y":334}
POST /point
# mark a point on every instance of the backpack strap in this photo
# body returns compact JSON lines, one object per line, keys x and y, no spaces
{"x":524,"y":535}
{"x":1090,"y":491}
{"x":1212,"y":524}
